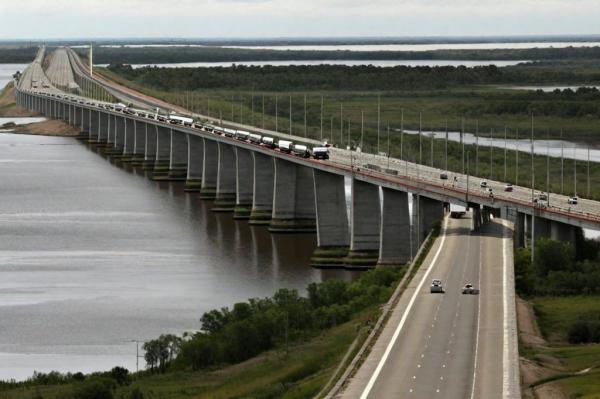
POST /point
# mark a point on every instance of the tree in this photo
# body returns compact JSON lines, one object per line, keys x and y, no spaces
{"x":552,"y":255}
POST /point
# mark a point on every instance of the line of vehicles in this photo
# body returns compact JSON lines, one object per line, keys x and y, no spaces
{"x":285,"y":146}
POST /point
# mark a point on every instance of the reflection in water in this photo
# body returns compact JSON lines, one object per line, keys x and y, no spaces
{"x":94,"y":255}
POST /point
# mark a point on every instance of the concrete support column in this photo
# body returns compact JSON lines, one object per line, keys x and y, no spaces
{"x":244,"y":173}
{"x":563,"y":232}
{"x":129,"y":142}
{"x":94,"y":127}
{"x":77,"y":117}
{"x":195,"y":162}
{"x":519,"y":230}
{"x":430,"y":213}
{"x":210,"y":170}
{"x":365,"y":230}
{"x":262,"y":199}
{"x":476,"y":216}
{"x":542,"y":227}
{"x":226,"y":179}
{"x":333,"y":237}
{"x":150,"y":150}
{"x":162,"y":159}
{"x":85,"y":122}
{"x":179,"y":156}
{"x":103,"y":130}
{"x":119,"y":144}
{"x":293,"y":198}
{"x":139,"y":143}
{"x":394,"y":248}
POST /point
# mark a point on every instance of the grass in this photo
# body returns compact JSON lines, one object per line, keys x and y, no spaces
{"x":437,"y":107}
{"x":301,"y":373}
{"x":556,"y":314}
{"x":554,"y":317}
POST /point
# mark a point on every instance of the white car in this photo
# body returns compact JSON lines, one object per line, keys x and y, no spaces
{"x":508,"y":187}
{"x":437,"y":287}
{"x":468,"y":289}
{"x":573,"y":200}
{"x":483,"y":184}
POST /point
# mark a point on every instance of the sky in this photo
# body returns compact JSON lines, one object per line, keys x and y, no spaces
{"x":68,"y":19}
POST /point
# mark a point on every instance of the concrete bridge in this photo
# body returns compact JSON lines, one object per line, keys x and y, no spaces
{"x":293,"y":194}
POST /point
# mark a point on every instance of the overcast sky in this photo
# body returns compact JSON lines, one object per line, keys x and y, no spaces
{"x":31,"y":19}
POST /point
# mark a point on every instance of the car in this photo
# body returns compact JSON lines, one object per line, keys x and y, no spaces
{"x":508,"y":187}
{"x":483,"y":184}
{"x":444,"y":176}
{"x":436,"y":287}
{"x":573,"y":200}
{"x":468,"y":289}
{"x":541,"y":199}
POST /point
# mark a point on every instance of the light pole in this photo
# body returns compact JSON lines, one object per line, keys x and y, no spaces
{"x":517,"y":158}
{"x":446,"y":147}
{"x":588,"y":171}
{"x":401,"y":132}
{"x":562,"y":163}
{"x":462,"y":142}
{"x":477,"y":148}
{"x":532,"y":195}
{"x":378,"y":119}
{"x":290,"y":114}
{"x":321,"y":117}
{"x":505,"y":153}
{"x":420,"y":138}
{"x":276,"y":114}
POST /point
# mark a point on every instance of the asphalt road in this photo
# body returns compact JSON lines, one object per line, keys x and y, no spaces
{"x":449,"y":345}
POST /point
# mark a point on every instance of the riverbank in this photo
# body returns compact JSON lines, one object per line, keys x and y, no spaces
{"x":9,"y":109}
{"x":550,"y":366}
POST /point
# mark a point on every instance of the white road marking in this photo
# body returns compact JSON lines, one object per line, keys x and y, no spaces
{"x":506,"y":338}
{"x":392,"y":342}
{"x":478,"y":323}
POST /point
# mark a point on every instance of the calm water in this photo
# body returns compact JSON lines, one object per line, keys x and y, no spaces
{"x":7,"y":71}
{"x":94,"y":256}
{"x":378,"y":63}
{"x":554,"y":148}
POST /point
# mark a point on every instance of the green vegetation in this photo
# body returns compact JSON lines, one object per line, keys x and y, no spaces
{"x":556,"y":270}
{"x":563,"y":286}
{"x":17,"y":54}
{"x":286,"y":346}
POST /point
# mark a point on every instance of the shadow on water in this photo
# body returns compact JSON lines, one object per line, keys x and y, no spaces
{"x":271,"y":255}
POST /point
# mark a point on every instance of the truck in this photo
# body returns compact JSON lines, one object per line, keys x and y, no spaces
{"x":181,"y":120}
{"x":285,"y":146}
{"x":457,"y":211}
{"x":242,"y":135}
{"x":320,"y":152}
{"x":300,"y":150}
{"x":268,"y":142}
{"x":254,"y":138}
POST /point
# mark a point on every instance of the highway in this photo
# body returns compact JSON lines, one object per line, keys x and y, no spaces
{"x":447,"y":345}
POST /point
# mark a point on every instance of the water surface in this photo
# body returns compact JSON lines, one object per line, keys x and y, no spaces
{"x":94,"y":256}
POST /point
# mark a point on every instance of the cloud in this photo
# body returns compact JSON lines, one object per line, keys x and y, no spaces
{"x":250,"y":18}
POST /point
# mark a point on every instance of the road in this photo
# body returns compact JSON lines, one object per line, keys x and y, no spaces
{"x":447,"y":345}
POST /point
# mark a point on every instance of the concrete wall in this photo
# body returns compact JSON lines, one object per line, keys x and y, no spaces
{"x":226,"y":179}
{"x":262,"y":199}
{"x":395,"y":242}
{"x":150,"y":150}
{"x":178,"y":158}
{"x":162,"y":159}
{"x":195,"y":163}
{"x":210,"y":170}
{"x":139,"y":144}
{"x":293,"y":198}
{"x":244,"y":183}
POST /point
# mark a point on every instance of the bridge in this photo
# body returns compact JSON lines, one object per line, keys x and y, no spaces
{"x":393,"y":205}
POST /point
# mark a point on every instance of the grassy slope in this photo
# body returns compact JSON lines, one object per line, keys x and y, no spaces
{"x":554,"y":315}
{"x":299,"y":374}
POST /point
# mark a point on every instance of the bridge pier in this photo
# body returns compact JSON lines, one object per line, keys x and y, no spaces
{"x":394,"y":247}
{"x":139,"y":144}
{"x":162,"y":159}
{"x":429,"y":212}
{"x":129,"y":143}
{"x":118,"y":137}
{"x":333,"y":238}
{"x":85,"y":123}
{"x":210,"y":170}
{"x":519,"y":228}
{"x":365,"y":225}
{"x":262,"y":199}
{"x":226,"y":179}
{"x":195,"y":162}
{"x":94,"y":127}
{"x":103,"y":128}
{"x":178,"y":157}
{"x":244,"y":183}
{"x":293,"y":198}
{"x":563,"y":232}
{"x":150,"y":147}
{"x":542,"y":227}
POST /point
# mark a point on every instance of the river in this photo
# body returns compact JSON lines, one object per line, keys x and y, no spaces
{"x":94,"y":255}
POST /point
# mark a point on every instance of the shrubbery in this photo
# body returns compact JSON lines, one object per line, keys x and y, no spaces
{"x":557,"y":269}
{"x":249,"y":328}
{"x":585,"y":330}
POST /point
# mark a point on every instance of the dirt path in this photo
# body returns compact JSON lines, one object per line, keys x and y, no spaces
{"x":542,"y":367}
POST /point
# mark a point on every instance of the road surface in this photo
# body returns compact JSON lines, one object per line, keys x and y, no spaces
{"x":448,"y":345}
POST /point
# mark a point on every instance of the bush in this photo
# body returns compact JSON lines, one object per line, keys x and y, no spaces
{"x":585,"y":330}
{"x":94,"y":388}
